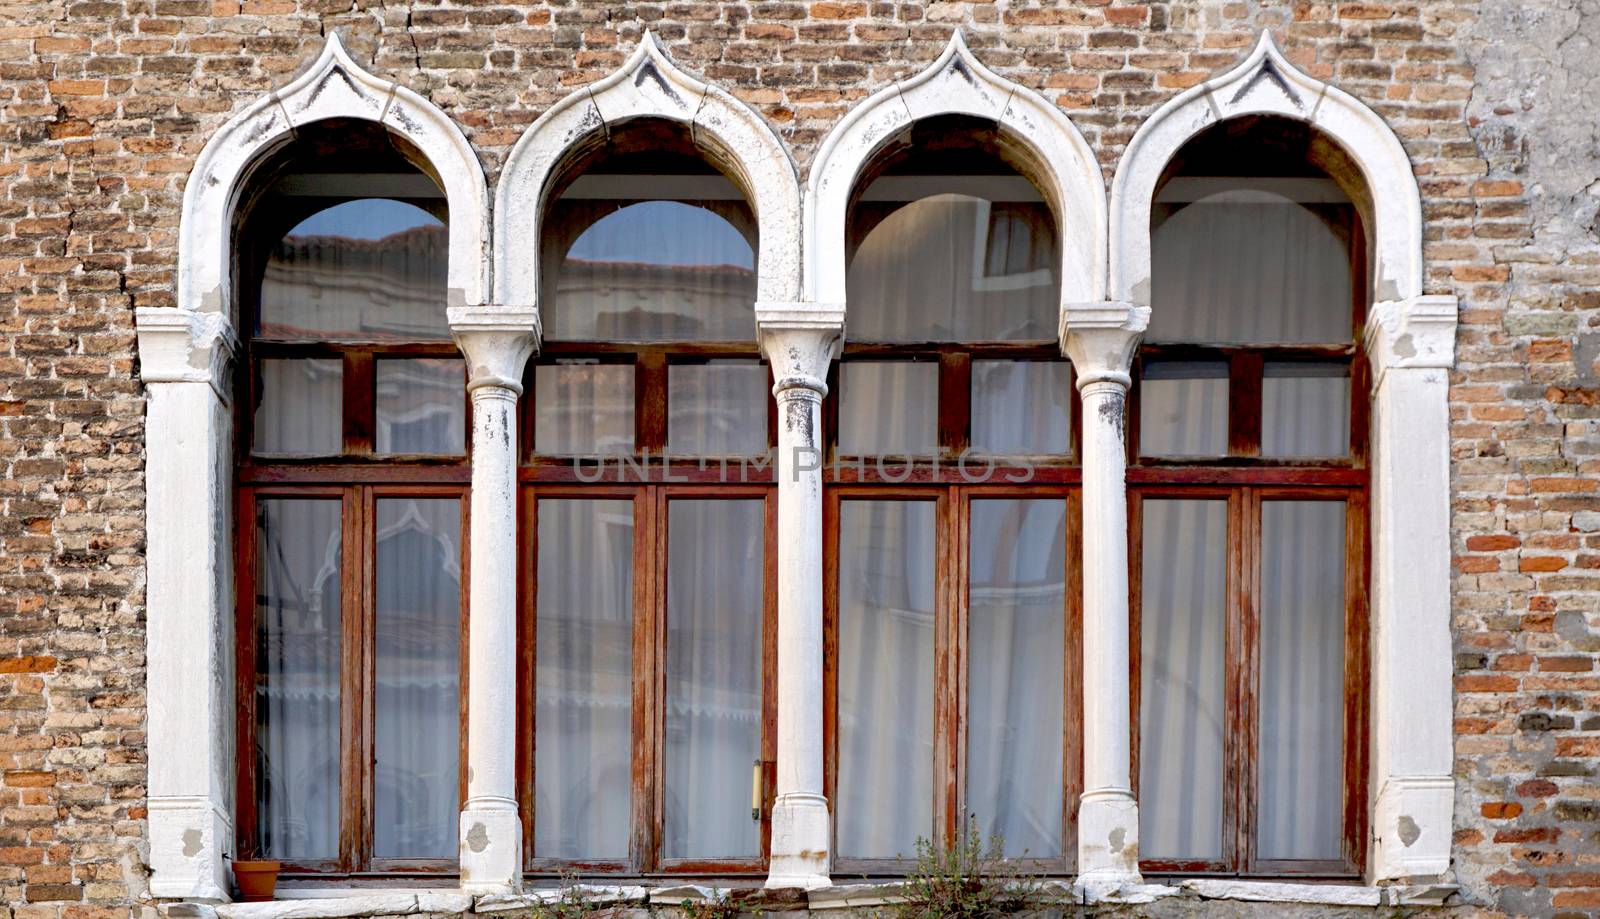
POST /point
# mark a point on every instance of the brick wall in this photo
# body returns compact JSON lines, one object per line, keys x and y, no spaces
{"x":104,"y":104}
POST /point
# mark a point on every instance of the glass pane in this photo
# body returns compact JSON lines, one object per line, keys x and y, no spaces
{"x":1015,"y":679}
{"x":1021,"y":407}
{"x":584,"y":679}
{"x":372,"y":268}
{"x":583,"y":408}
{"x":651,"y":271}
{"x":417,"y":677}
{"x":1305,"y":410}
{"x":1183,"y":409}
{"x":953,"y":267}
{"x":713,"y":729}
{"x":422,"y":406}
{"x":1250,"y":266}
{"x":889,"y":408}
{"x":717,"y":408}
{"x":1302,"y":679}
{"x":302,"y":406}
{"x":298,"y":642}
{"x":886,"y":623}
{"x":1182,"y":701}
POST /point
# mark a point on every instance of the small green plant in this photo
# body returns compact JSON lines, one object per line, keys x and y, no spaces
{"x":576,"y":902}
{"x":971,"y":879}
{"x":718,"y":907}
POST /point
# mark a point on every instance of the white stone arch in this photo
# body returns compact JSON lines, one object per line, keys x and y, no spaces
{"x":1266,"y":83}
{"x":334,"y":86}
{"x":648,"y":85}
{"x":958,"y":84}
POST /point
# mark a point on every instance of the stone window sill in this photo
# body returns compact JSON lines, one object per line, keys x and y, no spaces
{"x":358,"y":903}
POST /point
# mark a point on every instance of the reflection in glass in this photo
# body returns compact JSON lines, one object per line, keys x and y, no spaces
{"x":371,"y":268}
{"x":1249,"y":265}
{"x":583,"y":408}
{"x":584,"y":678}
{"x":417,"y":678}
{"x":713,"y":722}
{"x":298,"y":641}
{"x":301,"y":406}
{"x":421,"y":405}
{"x":867,"y":426}
{"x":953,"y":267}
{"x":1183,"y":408}
{"x":1015,"y":680}
{"x":718,"y":408}
{"x":1302,"y":679}
{"x":1021,"y":408}
{"x":886,"y":623}
{"x":1305,"y":410}
{"x":650,"y":270}
{"x":1182,"y":700}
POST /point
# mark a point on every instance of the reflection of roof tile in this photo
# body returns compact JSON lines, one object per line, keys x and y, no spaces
{"x":636,"y":269}
{"x":416,"y":238}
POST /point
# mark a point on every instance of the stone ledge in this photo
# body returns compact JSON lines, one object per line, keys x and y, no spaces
{"x":355,"y":903}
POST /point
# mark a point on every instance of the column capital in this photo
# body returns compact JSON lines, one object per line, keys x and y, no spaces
{"x":497,"y":341}
{"x":800,"y":340}
{"x":1418,"y":332}
{"x":185,"y":346}
{"x":1100,"y":339}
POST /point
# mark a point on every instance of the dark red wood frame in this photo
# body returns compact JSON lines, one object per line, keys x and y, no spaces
{"x":649,"y":657}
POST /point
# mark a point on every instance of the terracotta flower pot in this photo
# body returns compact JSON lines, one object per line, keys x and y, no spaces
{"x":256,"y":879}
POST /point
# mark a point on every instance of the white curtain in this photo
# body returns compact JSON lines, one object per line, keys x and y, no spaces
{"x":298,"y":645}
{"x":1302,"y":679}
{"x":584,"y":678}
{"x":713,"y":720}
{"x":417,"y":704}
{"x":1015,"y":679}
{"x":886,"y":640}
{"x":1182,"y":698}
{"x":1249,"y":267}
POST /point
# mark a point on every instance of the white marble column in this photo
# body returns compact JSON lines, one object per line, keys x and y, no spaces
{"x":497,"y":342}
{"x":1100,"y":339}
{"x":800,"y":340}
{"x":185,"y":358}
{"x":1411,"y":345}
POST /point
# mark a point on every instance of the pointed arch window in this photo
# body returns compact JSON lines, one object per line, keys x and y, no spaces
{"x":351,"y":422}
{"x":950,"y":511}
{"x":1248,"y":486}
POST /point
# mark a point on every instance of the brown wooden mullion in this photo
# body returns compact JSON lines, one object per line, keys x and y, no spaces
{"x":650,"y":412}
{"x":642,"y":846}
{"x":249,"y":840}
{"x":360,"y":398}
{"x":353,"y":756}
{"x":1248,"y":673}
{"x":1245,"y":369}
{"x":955,"y":401}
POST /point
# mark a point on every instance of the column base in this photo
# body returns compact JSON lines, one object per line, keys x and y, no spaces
{"x":491,"y":846}
{"x":801,"y":835}
{"x":1108,"y":838}
{"x":1413,"y":823}
{"x":190,"y":839}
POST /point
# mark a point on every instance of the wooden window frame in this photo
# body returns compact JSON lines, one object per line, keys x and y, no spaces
{"x":1245,"y":479}
{"x":358,"y":543}
{"x":952,"y":625}
{"x":649,"y":662}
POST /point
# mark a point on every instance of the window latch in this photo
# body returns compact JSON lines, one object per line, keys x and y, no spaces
{"x":757,"y":792}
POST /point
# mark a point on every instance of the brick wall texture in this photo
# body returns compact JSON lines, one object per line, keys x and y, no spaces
{"x":104,"y":105}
